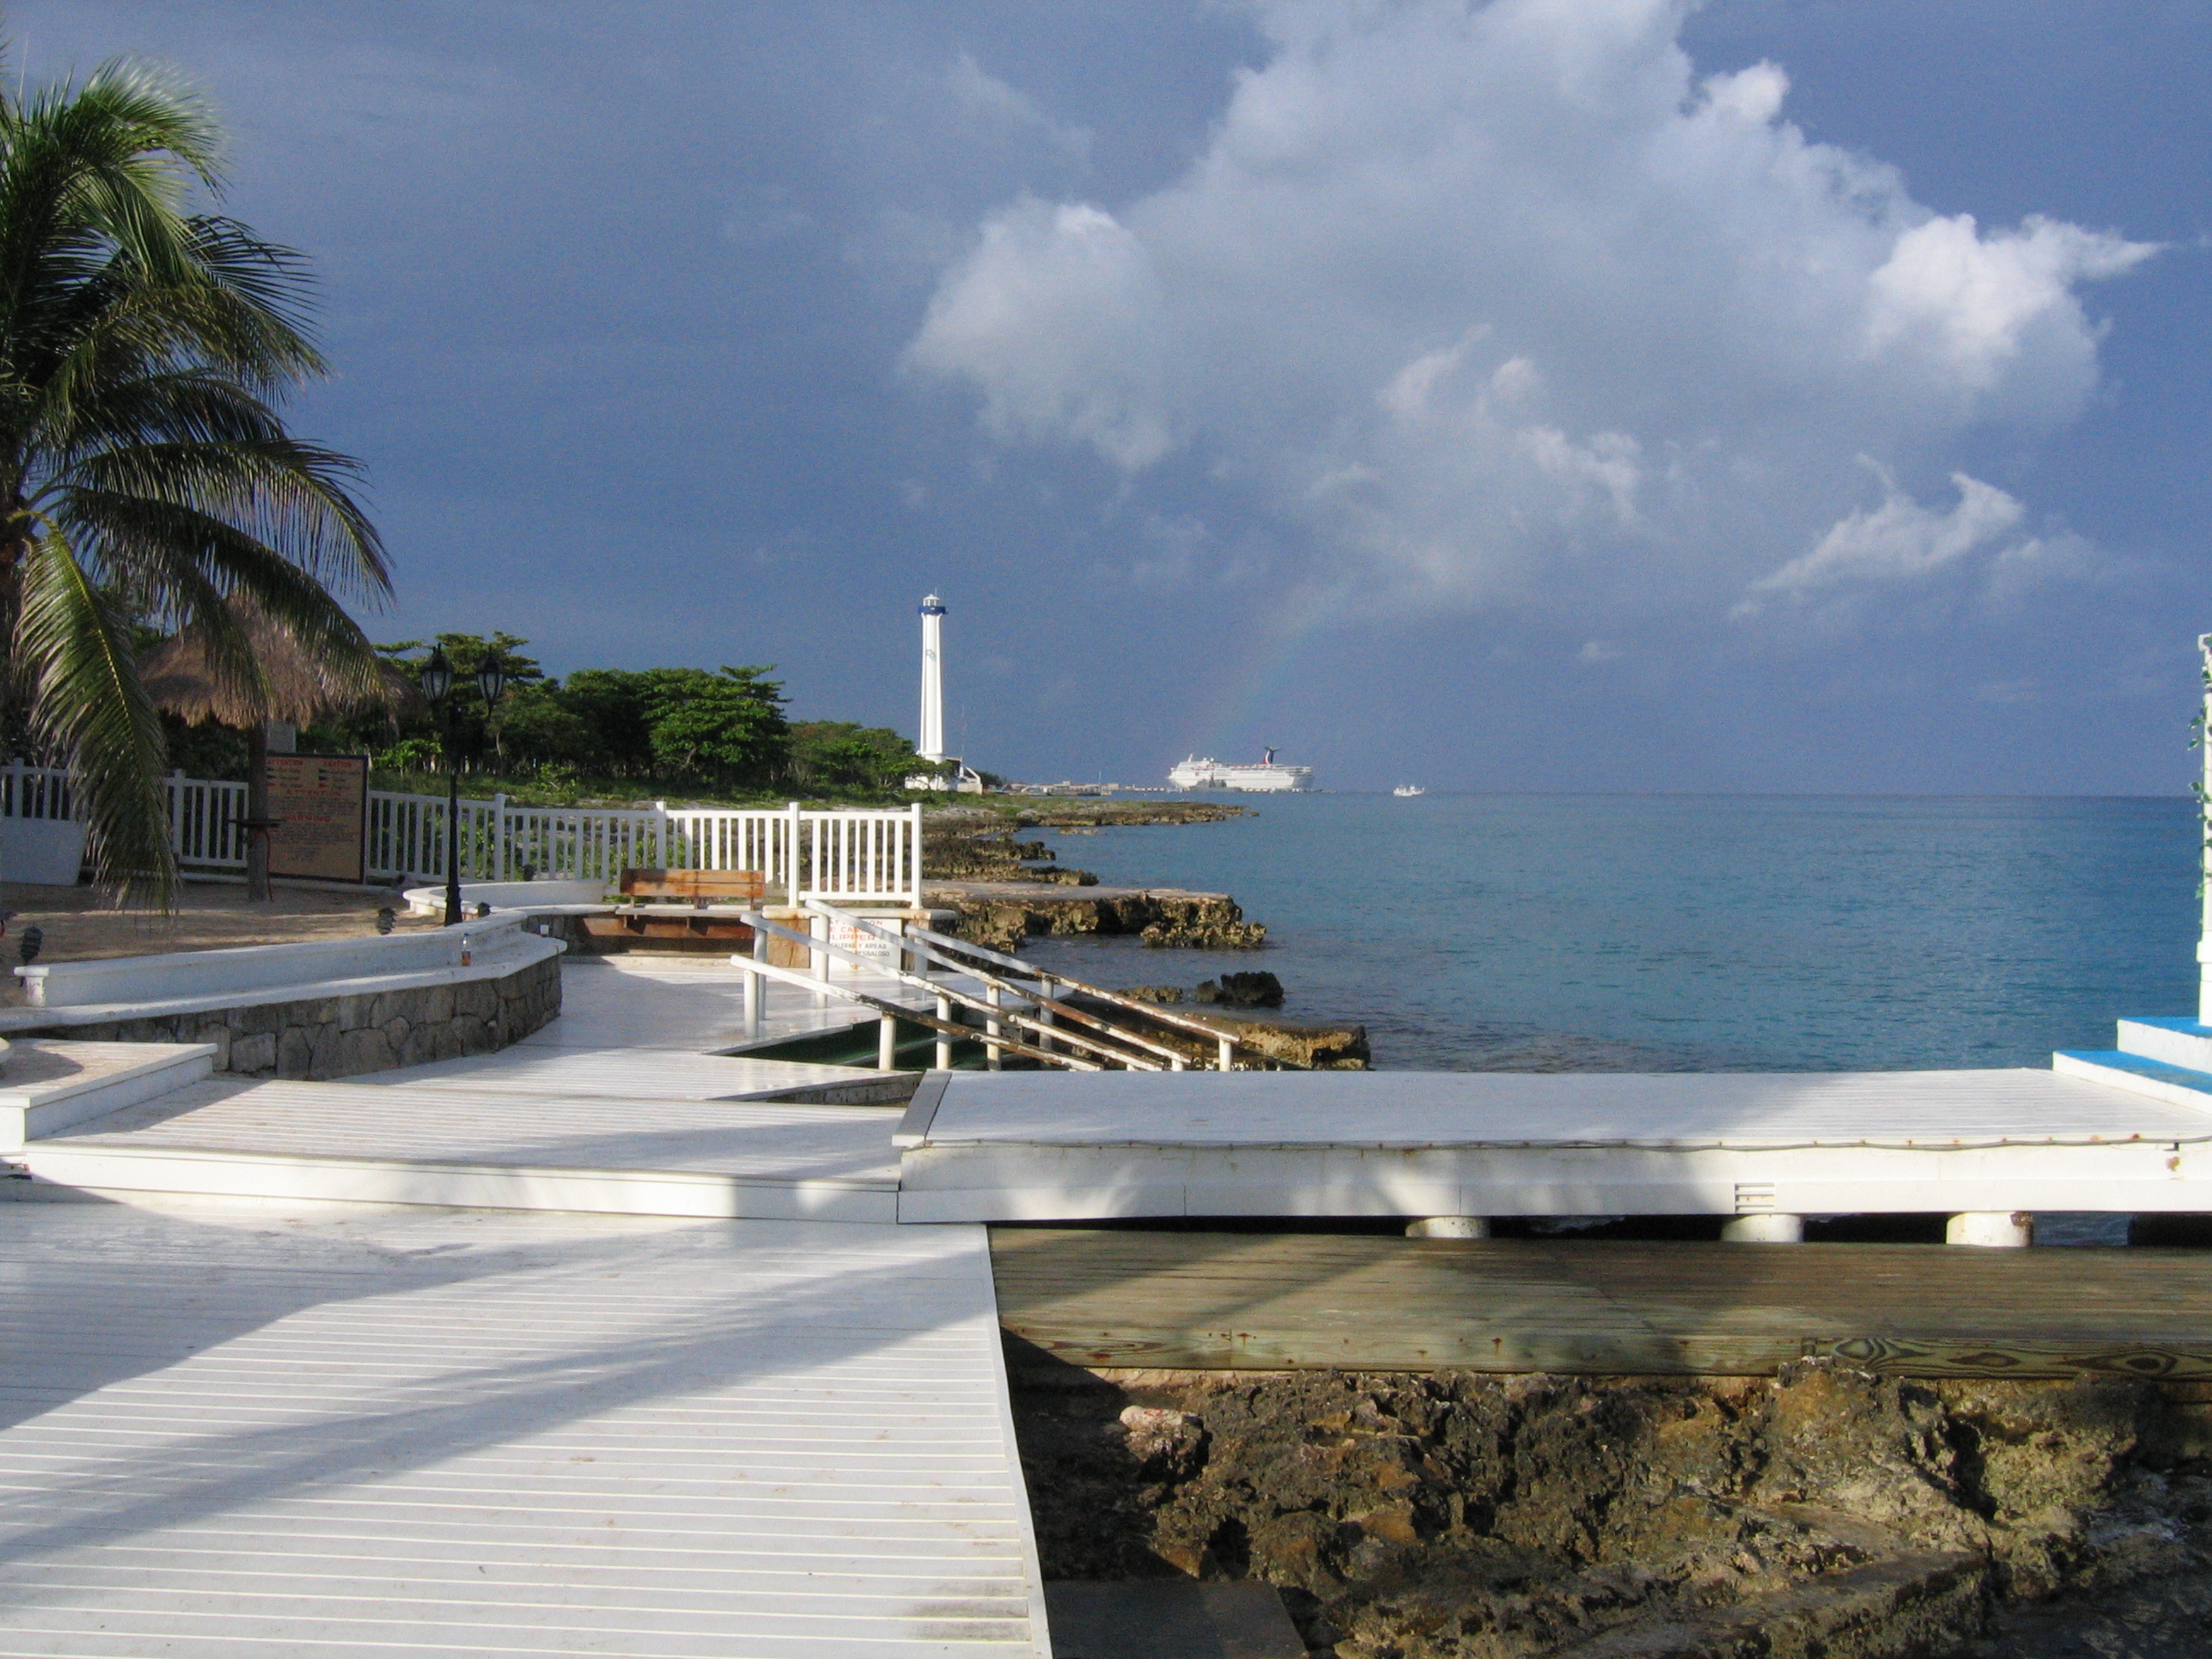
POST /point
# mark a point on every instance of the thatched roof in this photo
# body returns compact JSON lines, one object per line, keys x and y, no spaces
{"x":298,"y":685}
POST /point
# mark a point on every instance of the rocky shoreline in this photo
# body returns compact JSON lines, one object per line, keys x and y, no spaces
{"x":1822,"y":1512}
{"x":974,"y":864}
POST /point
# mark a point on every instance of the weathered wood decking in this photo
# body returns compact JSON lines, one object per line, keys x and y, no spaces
{"x":1263,"y":1302}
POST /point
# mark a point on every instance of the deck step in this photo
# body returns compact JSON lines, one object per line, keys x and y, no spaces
{"x":2177,"y":1085}
{"x":2182,"y":1042}
{"x":482,"y":1149}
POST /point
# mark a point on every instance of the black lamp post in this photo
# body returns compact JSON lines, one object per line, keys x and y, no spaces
{"x":438,"y":692}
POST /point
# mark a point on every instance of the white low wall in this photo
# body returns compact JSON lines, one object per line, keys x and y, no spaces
{"x":541,"y":896}
{"x":48,"y":851}
{"x":291,"y":969}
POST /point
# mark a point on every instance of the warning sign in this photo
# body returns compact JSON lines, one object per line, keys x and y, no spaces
{"x":320,"y":803}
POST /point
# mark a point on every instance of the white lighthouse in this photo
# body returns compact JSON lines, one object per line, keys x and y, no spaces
{"x":931,"y":746}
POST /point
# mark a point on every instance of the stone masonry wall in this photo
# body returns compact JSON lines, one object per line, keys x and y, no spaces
{"x":326,"y":1037}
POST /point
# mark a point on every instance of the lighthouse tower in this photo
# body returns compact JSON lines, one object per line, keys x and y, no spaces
{"x":931,"y":746}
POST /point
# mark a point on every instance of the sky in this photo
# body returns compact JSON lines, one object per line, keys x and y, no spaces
{"x":1609,"y":395}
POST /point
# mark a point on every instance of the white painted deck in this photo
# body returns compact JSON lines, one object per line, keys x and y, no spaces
{"x":692,"y":1003}
{"x":1040,"y":1146}
{"x":285,"y":1418}
{"x":444,"y":1434}
{"x":628,"y":1073}
{"x":427,"y":1144}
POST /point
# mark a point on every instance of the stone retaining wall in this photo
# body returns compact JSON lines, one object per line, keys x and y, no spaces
{"x":341,"y":1036}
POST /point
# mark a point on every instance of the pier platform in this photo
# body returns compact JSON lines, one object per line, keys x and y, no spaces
{"x":1038,"y":1146}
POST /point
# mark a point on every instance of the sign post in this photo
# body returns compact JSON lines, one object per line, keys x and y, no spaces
{"x":319,"y":807}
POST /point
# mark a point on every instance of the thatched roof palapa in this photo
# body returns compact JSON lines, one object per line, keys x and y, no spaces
{"x":298,"y":684}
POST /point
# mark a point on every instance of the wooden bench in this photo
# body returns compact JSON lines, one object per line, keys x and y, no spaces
{"x":697,"y":887}
{"x":705,"y":929}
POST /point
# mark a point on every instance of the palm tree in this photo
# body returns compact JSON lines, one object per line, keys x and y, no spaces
{"x":145,"y":474}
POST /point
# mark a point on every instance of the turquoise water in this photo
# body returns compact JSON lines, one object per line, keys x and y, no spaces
{"x":1485,"y":932}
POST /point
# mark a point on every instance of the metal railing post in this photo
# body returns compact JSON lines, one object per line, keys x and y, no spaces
{"x":993,"y":1057}
{"x":1228,"y":1054}
{"x":944,"y":1043}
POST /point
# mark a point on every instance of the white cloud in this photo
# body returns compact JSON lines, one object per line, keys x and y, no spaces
{"x":1504,"y":304}
{"x":1899,"y":540}
{"x":1006,"y":323}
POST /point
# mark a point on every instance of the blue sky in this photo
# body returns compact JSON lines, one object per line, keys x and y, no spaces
{"x":1612,"y":395}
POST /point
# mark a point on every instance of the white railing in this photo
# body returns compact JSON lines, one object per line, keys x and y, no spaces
{"x":849,"y":856}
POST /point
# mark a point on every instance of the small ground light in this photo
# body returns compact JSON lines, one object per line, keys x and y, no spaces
{"x":34,"y":937}
{"x":385,"y":921}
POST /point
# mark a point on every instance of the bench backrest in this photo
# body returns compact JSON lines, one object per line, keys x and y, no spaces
{"x":697,"y":886}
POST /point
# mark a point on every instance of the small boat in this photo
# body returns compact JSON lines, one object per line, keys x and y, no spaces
{"x":1407,"y":790}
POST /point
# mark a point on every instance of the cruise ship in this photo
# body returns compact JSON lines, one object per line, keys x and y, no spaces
{"x":1265,"y":778}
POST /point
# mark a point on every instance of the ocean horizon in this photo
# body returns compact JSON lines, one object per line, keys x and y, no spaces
{"x":1666,"y":932}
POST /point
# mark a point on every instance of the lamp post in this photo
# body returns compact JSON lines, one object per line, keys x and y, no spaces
{"x":438,"y":691}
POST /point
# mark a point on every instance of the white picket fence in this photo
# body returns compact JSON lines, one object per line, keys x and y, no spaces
{"x":841,"y":856}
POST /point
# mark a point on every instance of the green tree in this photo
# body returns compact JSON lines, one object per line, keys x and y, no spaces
{"x":725,"y":728}
{"x":610,"y":704}
{"x":145,"y":473}
{"x":829,"y":756}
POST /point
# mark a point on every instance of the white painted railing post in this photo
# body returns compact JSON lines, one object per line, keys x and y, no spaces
{"x":914,"y":882}
{"x":791,"y":857}
{"x":756,"y":987}
{"x":2204,"y":834}
{"x":499,"y":858}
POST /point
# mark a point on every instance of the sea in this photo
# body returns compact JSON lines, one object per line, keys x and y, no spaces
{"x":1639,"y":932}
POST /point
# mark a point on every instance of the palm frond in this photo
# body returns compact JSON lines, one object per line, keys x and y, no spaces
{"x":288,"y":497}
{"x":75,"y":647}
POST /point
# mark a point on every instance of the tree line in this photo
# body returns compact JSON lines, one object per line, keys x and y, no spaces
{"x":600,"y":730}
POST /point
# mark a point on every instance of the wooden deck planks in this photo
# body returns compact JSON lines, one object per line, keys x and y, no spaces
{"x":516,"y":1435}
{"x":1289,"y":1301}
